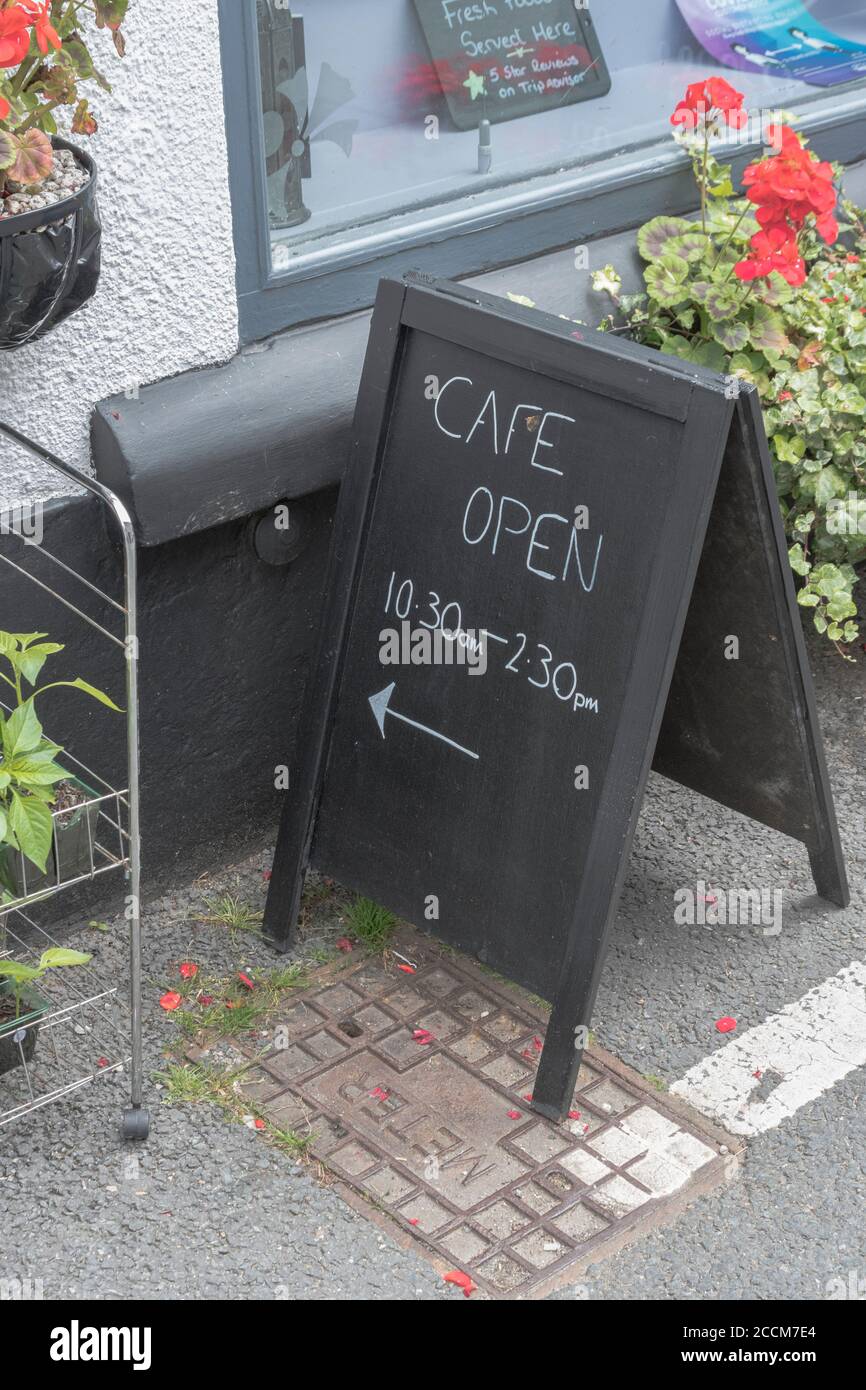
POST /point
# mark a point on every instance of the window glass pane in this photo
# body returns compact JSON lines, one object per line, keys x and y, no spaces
{"x":369,"y":112}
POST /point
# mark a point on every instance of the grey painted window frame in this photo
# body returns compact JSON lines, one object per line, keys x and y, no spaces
{"x":466,"y":236}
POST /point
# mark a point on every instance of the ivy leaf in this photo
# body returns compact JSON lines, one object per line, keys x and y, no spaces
{"x":797,"y":558}
{"x":829,"y":483}
{"x":653,"y":236}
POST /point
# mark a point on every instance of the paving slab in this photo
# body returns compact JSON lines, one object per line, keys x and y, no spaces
{"x":414,"y":1089}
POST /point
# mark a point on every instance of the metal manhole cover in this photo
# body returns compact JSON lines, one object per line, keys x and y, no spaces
{"x":439,"y":1133}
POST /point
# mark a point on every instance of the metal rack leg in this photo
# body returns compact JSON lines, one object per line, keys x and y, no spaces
{"x":136,"y":1120}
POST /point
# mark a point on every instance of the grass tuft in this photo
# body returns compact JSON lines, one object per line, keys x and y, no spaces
{"x":370,"y":923}
{"x":230,"y":911}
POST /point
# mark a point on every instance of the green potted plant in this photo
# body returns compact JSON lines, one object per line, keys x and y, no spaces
{"x":22,"y":1006}
{"x":769,"y":286}
{"x":47,"y":815}
{"x":50,"y":232}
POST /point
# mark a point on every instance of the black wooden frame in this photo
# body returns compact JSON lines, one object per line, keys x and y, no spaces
{"x":621,"y":371}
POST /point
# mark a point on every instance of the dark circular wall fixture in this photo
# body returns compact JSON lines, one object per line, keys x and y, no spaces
{"x":282,"y":533}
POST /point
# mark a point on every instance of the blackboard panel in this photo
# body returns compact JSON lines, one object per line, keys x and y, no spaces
{"x":500,"y":837}
{"x":743,"y":730}
{"x":502,"y":59}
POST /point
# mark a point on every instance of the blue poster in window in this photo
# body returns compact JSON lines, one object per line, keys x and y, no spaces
{"x":774,"y":36}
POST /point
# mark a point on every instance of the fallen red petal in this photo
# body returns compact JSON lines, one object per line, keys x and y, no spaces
{"x":266,"y":875}
{"x":205,"y":1000}
{"x":344,"y":944}
{"x":413,"y":1220}
{"x":407,"y":969}
{"x":423,"y":1037}
{"x":379,"y":1093}
{"x":574,"y":1114}
{"x":259,"y":1124}
{"x":757,"y":1074}
{"x":246,"y":981}
{"x":188,"y":970}
{"x":528,"y":1097}
{"x":102,"y":1061}
{"x":170,"y":1000}
{"x":537,"y":1044}
{"x":515,"y":1115}
{"x":726,"y":1024}
{"x":456,"y":1276}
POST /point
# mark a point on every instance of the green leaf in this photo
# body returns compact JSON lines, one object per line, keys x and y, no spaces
{"x":31,"y":661}
{"x":31,"y":823}
{"x":768,"y":330}
{"x":732,"y":334}
{"x":691,"y":246}
{"x":798,"y":561}
{"x":776,"y":290}
{"x":60,"y":955}
{"x":666,"y":280}
{"x":653,"y":236}
{"x":31,"y":772}
{"x":22,"y":732}
{"x":720,"y":301}
{"x":829,"y":483}
{"x":17,"y":971}
{"x":79,"y":684}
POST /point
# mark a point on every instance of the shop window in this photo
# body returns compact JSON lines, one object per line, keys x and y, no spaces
{"x":362,"y":127}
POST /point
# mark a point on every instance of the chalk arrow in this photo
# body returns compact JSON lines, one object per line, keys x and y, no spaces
{"x":381,"y":706}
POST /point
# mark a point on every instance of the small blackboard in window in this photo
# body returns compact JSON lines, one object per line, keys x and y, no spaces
{"x":501,"y":59}
{"x":558,"y":561}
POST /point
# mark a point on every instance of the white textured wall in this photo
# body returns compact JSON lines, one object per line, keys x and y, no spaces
{"x":166,"y":300}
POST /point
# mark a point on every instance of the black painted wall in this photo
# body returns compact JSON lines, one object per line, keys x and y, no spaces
{"x":224,"y":645}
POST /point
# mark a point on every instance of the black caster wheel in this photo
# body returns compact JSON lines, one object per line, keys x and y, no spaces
{"x":135,"y":1124}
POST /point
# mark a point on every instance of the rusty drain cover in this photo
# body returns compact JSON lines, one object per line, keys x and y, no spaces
{"x":439,"y":1134}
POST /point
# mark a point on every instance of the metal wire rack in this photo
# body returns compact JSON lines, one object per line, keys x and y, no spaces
{"x":80,"y":1027}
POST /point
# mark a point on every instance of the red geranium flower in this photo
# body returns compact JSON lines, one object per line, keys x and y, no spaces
{"x":704,"y":98}
{"x":14,"y":36}
{"x":40,"y":19}
{"x":5,"y":108}
{"x":775,"y":249}
{"x":789,"y":186}
{"x":188,"y":970}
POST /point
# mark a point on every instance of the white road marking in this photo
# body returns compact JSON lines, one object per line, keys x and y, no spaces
{"x":804,"y":1050}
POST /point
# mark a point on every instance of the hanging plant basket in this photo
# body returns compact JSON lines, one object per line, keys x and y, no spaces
{"x":49,"y":260}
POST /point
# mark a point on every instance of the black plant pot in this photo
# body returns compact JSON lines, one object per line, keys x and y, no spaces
{"x":49,"y":261}
{"x":18,"y":1036}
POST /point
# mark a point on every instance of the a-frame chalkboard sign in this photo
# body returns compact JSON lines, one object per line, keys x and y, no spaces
{"x":593,"y":522}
